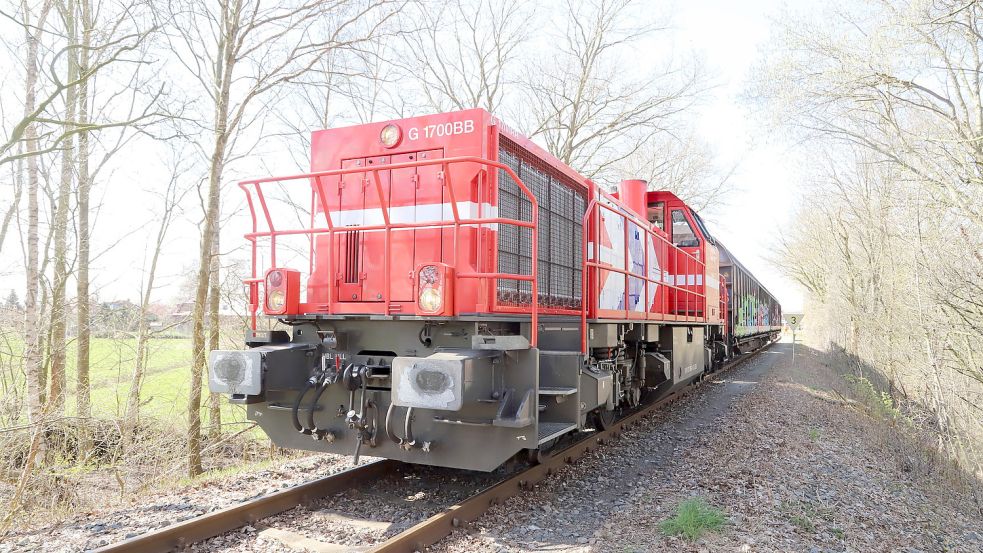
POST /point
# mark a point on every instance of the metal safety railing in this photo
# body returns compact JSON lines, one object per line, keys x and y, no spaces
{"x":254,"y":186}
{"x":670,"y":304}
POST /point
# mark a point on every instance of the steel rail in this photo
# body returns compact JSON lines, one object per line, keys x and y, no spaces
{"x":198,"y":529}
{"x":415,"y":538}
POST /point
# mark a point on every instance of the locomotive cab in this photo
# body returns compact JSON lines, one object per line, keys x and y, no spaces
{"x":687,"y":231}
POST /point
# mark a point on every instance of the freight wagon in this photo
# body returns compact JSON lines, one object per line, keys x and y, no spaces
{"x":753,"y":312}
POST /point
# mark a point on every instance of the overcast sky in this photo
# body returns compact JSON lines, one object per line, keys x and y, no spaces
{"x":731,"y":36}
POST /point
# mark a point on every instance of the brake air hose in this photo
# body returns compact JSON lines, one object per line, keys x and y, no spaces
{"x":307,"y":386}
{"x":310,"y":414}
{"x":389,"y":419}
{"x":408,"y":440}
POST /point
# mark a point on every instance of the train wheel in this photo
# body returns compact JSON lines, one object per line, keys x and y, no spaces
{"x":603,"y":419}
{"x":545,"y":451}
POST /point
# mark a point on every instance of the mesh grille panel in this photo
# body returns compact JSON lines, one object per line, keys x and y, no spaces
{"x":560,"y":236}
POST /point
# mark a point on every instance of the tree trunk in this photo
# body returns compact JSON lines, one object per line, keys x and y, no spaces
{"x":201,"y":297}
{"x":241,"y":30}
{"x":131,"y":417}
{"x":83,"y":406}
{"x":223,"y":79}
{"x":59,"y":309}
{"x":32,"y":336}
{"x":214,"y":301}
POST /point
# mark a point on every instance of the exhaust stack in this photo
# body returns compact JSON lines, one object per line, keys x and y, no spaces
{"x":632,"y":193}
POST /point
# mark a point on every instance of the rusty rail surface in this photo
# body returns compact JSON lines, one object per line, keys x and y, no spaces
{"x":198,"y":529}
{"x":415,"y":538}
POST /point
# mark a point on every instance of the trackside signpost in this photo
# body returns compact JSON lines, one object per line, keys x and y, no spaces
{"x":793,"y":320}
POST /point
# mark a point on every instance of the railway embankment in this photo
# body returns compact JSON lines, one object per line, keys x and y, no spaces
{"x":782,"y":451}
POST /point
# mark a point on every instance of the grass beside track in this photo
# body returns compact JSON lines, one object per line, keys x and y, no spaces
{"x":693,"y":519}
{"x":166,"y":385}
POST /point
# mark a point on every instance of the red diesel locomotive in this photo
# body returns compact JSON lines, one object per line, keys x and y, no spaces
{"x":466,"y":296}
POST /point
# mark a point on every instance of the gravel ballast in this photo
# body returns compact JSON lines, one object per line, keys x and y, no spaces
{"x":791,"y":466}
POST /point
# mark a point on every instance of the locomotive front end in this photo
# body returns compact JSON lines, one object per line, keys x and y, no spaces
{"x":447,"y":394}
{"x":388,"y":350}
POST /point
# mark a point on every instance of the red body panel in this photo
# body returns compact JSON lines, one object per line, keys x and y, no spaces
{"x":381,"y":214}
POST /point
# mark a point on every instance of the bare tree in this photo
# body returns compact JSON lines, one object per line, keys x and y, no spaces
{"x":466,"y":53}
{"x":167,"y":209}
{"x":259,"y":48}
{"x":894,"y":92}
{"x":49,"y":126}
{"x":683,"y":165}
{"x":33,"y":23}
{"x":59,"y":308}
{"x":82,"y":394}
{"x":135,"y":95}
{"x":853,"y":86}
{"x":588,"y":111}
{"x":44,"y":123}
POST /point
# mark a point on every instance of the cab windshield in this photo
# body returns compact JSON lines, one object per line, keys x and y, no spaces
{"x":703,"y":227}
{"x":682,"y":233}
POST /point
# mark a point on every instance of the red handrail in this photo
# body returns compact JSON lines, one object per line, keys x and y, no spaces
{"x":590,"y":216}
{"x":388,"y":226}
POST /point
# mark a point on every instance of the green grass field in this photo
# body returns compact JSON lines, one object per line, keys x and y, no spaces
{"x":112,"y":361}
{"x":164,"y":395}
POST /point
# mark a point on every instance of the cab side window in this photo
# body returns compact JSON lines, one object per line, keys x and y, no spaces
{"x":657,"y":214}
{"x":682,"y":234}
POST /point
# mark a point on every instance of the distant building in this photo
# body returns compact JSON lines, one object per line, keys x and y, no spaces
{"x":180,"y":316}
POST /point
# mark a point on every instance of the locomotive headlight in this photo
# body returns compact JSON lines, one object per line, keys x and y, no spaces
{"x":390,"y":135}
{"x":430,"y":300}
{"x":275,"y":300}
{"x":434,"y":289}
{"x":431,"y":285}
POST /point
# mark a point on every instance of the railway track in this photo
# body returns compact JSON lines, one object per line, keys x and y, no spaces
{"x":415,"y":538}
